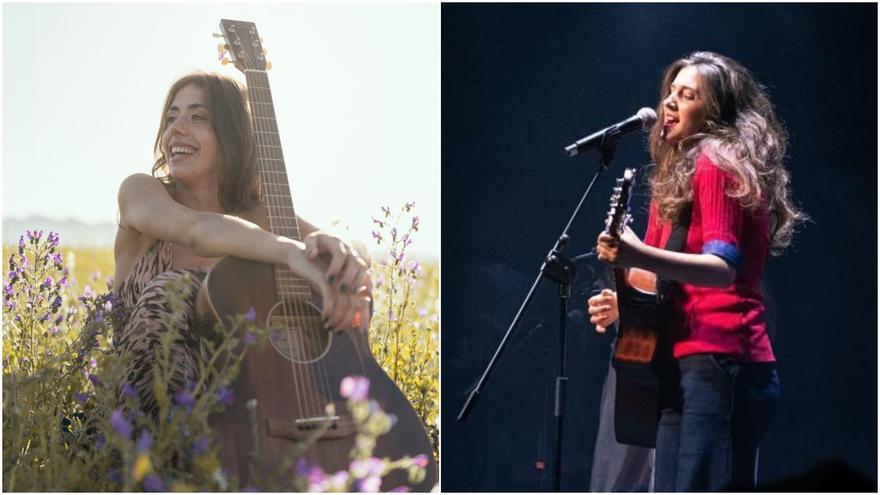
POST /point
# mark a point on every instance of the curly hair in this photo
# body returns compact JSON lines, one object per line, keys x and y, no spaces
{"x":741,"y":134}
{"x":227,"y":103}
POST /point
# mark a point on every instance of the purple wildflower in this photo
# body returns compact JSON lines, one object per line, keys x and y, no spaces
{"x":185,"y":399}
{"x":23,"y":261}
{"x":100,"y":441}
{"x":144,"y":442}
{"x":401,"y":489}
{"x":369,"y":484}
{"x":355,"y":387}
{"x":93,"y":363}
{"x":377,"y":236}
{"x":152,"y":483}
{"x":82,"y":397}
{"x":95,"y":380}
{"x":415,"y":223}
{"x":386,"y":210}
{"x":54,"y":330}
{"x":225,"y":396}
{"x":421,"y":460}
{"x":394,"y":233}
{"x":249,"y":338}
{"x":201,"y":445}
{"x":120,"y":423}
{"x":20,"y":246}
{"x":251,"y":314}
{"x":57,"y":260}
{"x":250,"y":489}
{"x":95,"y":276}
{"x":129,"y":391}
{"x":62,"y":282}
{"x":99,"y":317}
{"x":53,"y":239}
{"x":8,"y":291}
{"x":315,"y":476}
{"x":56,"y":304}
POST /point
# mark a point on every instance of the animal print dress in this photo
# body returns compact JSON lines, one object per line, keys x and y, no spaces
{"x":143,"y":295}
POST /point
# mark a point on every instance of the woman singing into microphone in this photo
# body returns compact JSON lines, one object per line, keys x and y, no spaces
{"x":718,"y":149}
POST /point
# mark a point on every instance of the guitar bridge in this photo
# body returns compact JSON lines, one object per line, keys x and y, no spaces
{"x":303,"y":428}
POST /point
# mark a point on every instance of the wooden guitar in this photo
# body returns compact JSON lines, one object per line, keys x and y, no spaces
{"x":643,"y":315}
{"x":298,"y":375}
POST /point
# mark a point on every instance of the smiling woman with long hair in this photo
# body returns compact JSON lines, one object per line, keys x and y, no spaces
{"x":203,"y":202}
{"x":718,"y":150}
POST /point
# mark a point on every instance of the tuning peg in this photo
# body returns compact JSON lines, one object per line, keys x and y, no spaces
{"x":268,"y":65}
{"x":222,"y":48}
{"x":264,"y":52}
{"x":217,"y":35}
{"x":225,"y":61}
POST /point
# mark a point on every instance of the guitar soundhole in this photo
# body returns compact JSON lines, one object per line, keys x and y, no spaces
{"x":297,"y":332}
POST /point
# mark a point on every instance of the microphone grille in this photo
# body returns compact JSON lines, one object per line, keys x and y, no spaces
{"x":648,"y":116}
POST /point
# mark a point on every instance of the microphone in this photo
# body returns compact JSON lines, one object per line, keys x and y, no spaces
{"x":644,"y":119}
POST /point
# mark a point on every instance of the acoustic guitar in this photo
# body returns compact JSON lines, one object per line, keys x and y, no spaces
{"x":296,"y":377}
{"x":643,"y":312}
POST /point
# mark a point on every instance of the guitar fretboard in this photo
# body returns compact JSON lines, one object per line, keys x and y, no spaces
{"x":275,"y":186}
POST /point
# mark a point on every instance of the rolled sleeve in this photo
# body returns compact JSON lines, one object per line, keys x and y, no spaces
{"x":722,"y":216}
{"x":726,"y":251}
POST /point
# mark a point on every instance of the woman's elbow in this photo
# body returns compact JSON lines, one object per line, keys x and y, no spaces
{"x":198,"y":236}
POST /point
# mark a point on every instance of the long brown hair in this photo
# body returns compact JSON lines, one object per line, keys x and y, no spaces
{"x":742,"y":136}
{"x":226,"y":101}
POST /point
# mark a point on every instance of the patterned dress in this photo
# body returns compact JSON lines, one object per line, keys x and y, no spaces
{"x":143,"y":295}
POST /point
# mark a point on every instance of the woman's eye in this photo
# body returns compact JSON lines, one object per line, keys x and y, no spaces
{"x":198,"y":117}
{"x":170,"y":118}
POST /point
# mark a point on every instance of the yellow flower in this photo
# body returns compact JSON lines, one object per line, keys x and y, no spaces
{"x":142,"y":467}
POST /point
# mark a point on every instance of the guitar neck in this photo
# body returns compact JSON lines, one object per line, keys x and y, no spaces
{"x":274,"y":184}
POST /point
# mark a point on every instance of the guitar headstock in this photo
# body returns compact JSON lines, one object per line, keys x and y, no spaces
{"x":618,"y":210}
{"x":244,"y":45}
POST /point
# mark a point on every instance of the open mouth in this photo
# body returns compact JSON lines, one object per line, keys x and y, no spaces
{"x":181,"y":152}
{"x":669,"y":122}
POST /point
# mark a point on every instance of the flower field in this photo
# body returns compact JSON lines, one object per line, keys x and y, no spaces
{"x":69,"y":426}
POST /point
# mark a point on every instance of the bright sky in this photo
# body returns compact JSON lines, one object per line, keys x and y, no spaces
{"x":356,"y":90}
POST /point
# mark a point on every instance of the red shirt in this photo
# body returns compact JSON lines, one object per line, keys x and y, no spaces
{"x":728,"y":320}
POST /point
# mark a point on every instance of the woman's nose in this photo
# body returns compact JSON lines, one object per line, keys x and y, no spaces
{"x":177,"y":126}
{"x":670,"y":101}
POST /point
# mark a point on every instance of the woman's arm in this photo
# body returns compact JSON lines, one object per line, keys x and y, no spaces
{"x":696,"y":269}
{"x":146,"y":206}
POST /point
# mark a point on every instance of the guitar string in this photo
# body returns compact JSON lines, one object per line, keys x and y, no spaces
{"x":314,"y":336}
{"x":300,"y":312}
{"x":295,"y":377}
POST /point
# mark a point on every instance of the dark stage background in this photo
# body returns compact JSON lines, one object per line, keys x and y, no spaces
{"x":519,"y":82}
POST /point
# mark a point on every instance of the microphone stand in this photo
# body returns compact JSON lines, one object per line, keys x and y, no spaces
{"x":560,"y":269}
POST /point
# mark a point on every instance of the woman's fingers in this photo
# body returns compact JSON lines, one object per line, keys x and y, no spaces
{"x":353,"y":274}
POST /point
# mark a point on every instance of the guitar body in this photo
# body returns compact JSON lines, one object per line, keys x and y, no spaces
{"x":291,"y":394}
{"x":636,"y":356}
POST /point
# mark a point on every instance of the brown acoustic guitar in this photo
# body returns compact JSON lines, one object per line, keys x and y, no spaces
{"x":638,"y":351}
{"x":295,"y":377}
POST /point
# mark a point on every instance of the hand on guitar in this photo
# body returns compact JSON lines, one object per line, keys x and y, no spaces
{"x":346,"y":289}
{"x":624,"y":251}
{"x":603,"y":309}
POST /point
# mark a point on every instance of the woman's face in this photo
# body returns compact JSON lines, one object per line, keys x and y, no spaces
{"x":191,"y":147}
{"x":684,"y":109}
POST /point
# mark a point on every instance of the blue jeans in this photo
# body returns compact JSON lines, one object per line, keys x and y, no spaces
{"x":714,"y":413}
